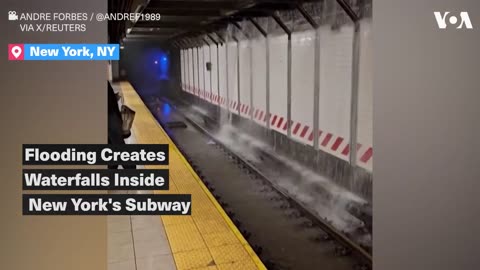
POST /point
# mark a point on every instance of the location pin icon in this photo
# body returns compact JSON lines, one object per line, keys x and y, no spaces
{"x":15,"y":51}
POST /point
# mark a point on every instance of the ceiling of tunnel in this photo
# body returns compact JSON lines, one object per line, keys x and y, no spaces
{"x":181,"y":18}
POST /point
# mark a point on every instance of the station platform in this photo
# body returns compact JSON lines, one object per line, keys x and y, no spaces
{"x":207,"y":239}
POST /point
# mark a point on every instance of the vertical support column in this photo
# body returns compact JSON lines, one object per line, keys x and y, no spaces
{"x":227,"y":81}
{"x":210,"y":61}
{"x":198,"y":72}
{"x":187,"y":66}
{"x":354,"y":97}
{"x":190,"y":68}
{"x":187,"y":72}
{"x":238,"y":77}
{"x":193,"y":73}
{"x":289,"y":72}
{"x":218,"y":72}
{"x":218,"y":76}
{"x":316,"y":74}
{"x":267,"y":75}
{"x":267,"y":80}
{"x":316,"y":90}
{"x":185,"y":56}
{"x":187,"y":79}
{"x":238,"y":67}
{"x":251,"y":78}
{"x":184,"y":65}
{"x":181,"y":67}
{"x":289,"y":85}
{"x":203,"y":71}
{"x":194,"y":76}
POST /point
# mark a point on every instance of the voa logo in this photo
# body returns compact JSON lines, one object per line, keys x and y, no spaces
{"x":446,"y":17}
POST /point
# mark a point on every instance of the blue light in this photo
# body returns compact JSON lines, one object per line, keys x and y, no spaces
{"x":166,"y":109}
{"x":164,"y":68}
{"x":157,"y":64}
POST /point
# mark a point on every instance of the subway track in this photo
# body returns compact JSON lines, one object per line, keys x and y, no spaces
{"x":283,"y":233}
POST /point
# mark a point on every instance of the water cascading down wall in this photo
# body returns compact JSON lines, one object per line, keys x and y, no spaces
{"x":320,"y":83}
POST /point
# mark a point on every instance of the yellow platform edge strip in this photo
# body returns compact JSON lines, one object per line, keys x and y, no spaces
{"x":219,"y":208}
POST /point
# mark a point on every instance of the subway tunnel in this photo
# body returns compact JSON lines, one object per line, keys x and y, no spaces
{"x":262,"y":101}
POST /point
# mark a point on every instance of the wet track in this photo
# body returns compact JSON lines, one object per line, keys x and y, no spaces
{"x":281,"y":234}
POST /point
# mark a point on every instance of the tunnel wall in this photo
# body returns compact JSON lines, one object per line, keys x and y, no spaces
{"x":232,"y":87}
{"x":223,"y":75}
{"x":259,"y":77}
{"x":207,"y":77}
{"x":335,"y":72}
{"x":335,"y":90}
{"x":303,"y":47}
{"x":141,"y":63}
{"x":214,"y":75}
{"x":365,"y":97}
{"x":278,"y":82}
{"x":244,"y":73}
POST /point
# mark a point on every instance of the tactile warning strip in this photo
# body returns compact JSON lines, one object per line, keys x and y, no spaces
{"x":207,"y":239}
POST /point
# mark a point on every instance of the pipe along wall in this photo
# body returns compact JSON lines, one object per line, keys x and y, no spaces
{"x":237,"y":82}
